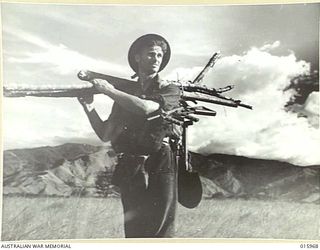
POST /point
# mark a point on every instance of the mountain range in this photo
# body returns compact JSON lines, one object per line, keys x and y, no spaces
{"x":85,"y":170}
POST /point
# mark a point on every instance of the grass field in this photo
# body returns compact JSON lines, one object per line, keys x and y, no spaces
{"x":97,"y":218}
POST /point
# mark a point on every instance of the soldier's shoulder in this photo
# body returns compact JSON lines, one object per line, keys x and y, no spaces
{"x":129,"y":87}
{"x":163,"y":83}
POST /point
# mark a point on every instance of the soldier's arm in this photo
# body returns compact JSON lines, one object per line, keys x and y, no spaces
{"x":103,"y":129}
{"x":129,"y":102}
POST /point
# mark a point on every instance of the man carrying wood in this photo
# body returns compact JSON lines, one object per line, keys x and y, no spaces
{"x":147,"y":171}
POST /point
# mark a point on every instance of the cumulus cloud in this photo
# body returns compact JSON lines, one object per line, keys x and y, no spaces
{"x":268,"y":131}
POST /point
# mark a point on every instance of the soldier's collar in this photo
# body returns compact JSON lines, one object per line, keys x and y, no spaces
{"x":155,"y":83}
{"x":152,"y":83}
{"x":159,"y":83}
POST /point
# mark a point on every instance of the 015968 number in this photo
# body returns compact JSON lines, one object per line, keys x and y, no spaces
{"x":303,"y":245}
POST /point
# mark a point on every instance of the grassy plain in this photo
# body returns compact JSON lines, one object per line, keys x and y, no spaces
{"x":100,"y":218}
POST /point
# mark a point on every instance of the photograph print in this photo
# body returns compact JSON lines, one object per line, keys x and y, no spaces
{"x":155,"y":121}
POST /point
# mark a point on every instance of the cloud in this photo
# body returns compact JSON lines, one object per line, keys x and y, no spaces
{"x":312,"y":103}
{"x":268,"y":131}
{"x":58,"y":58}
{"x":309,"y":110}
{"x":183,"y":74}
{"x":269,"y":47}
{"x":34,"y":122}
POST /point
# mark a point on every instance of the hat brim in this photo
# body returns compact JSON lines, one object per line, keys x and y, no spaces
{"x":136,"y":46}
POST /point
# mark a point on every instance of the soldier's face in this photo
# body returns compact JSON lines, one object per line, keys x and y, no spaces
{"x":149,"y":60}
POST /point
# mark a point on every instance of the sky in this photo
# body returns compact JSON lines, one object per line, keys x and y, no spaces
{"x":262,"y":47}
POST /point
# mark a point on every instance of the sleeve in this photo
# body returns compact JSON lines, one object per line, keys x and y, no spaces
{"x":114,"y":114}
{"x":168,"y":97}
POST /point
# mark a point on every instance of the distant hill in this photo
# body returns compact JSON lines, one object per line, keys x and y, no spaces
{"x":85,"y":170}
{"x":69,"y":169}
{"x":238,"y":176}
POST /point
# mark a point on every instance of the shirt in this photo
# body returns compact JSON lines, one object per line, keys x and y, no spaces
{"x":135,"y":134}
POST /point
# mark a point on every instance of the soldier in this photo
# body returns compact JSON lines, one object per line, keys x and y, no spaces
{"x":147,"y":171}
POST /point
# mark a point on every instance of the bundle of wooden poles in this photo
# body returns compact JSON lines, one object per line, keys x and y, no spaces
{"x":190,"y":91}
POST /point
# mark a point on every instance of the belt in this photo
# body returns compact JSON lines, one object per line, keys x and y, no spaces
{"x":137,"y":157}
{"x":165,"y":141}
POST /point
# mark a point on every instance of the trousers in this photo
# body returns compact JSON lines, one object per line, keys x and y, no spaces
{"x":148,"y":193}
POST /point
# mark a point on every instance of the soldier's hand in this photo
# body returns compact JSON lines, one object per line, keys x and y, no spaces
{"x":85,"y":100}
{"x":102,"y":86}
{"x":176,"y":131}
